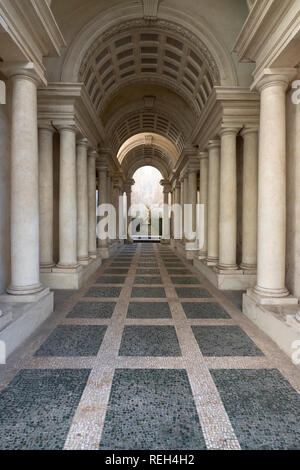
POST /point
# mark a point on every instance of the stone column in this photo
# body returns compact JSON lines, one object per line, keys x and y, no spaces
{"x":272,"y":186}
{"x":92,"y":208}
{"x":213,"y":202}
{"x":192,"y":200}
{"x":109,"y":197}
{"x":204,"y":200}
{"x":82,"y":203}
{"x":182,"y":206}
{"x":177,"y":201}
{"x":186,"y":201}
{"x":166,"y":219}
{"x":128,"y":190}
{"x":67,"y":199}
{"x":228,"y":202}
{"x":24,"y":220}
{"x":250,"y":195}
{"x":102,"y":175}
{"x":46,"y":196}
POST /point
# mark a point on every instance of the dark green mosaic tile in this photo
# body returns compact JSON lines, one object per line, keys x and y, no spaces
{"x":111,"y":280}
{"x":178,"y":271}
{"x":155,"y":341}
{"x":184,"y":280}
{"x":221,"y":341}
{"x":147,"y":271}
{"x":147,"y":265}
{"x":73,"y":340}
{"x":92,"y":310}
{"x":116,"y":271}
{"x":192,"y":293}
{"x":148,"y":292}
{"x":262,"y":406}
{"x":147,"y":280}
{"x":151,"y":410}
{"x":120,"y":265}
{"x":149,"y":310}
{"x":37,"y":408}
{"x":103,"y":292}
{"x":204,"y":310}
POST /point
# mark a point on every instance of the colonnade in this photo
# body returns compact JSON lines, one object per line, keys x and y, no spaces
{"x":263,"y":196}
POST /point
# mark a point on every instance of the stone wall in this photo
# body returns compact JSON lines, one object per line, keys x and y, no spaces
{"x":4,"y":194}
{"x":293,"y":196}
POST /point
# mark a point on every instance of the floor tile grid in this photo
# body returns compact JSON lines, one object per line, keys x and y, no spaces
{"x":86,"y":429}
{"x":274,"y":357}
{"x":215,"y":423}
{"x":27,"y":361}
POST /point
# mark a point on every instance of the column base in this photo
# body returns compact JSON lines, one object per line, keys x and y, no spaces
{"x":84,"y":261}
{"x":249,"y":268}
{"x":164,"y":241}
{"x":22,"y":318}
{"x":25,"y":291}
{"x":73,"y":278}
{"x":225,"y":281}
{"x":227,"y":269}
{"x":268,"y":297}
{"x":202,"y":255}
{"x":211,"y":261}
{"x":277,"y":321}
{"x":46,"y":268}
{"x":93,"y":255}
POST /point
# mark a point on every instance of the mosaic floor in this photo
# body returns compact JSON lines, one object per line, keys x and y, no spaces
{"x":149,"y":355}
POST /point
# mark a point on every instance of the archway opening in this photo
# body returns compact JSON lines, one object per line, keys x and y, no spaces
{"x":147,"y":200}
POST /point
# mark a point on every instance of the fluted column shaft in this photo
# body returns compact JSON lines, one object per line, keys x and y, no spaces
{"x":82,"y":203}
{"x":25,"y":275}
{"x":250,"y":195}
{"x":204,"y":201}
{"x":92,"y":208}
{"x":46,"y":196}
{"x":228,"y":202}
{"x":186,"y":201}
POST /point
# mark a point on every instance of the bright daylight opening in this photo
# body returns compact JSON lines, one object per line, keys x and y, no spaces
{"x":147,"y":192}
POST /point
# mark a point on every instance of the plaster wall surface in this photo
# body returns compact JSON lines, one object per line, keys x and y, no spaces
{"x":293,"y":196}
{"x":4,"y":194}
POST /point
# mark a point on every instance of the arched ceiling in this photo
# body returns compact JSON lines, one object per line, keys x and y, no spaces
{"x":138,"y":52}
{"x":148,"y":72}
{"x":165,"y":146}
{"x":144,"y":155}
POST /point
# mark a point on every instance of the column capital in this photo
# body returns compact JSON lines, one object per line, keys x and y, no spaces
{"x":45,"y":126}
{"x":229,"y":131}
{"x":249,"y":130}
{"x":193,"y":164}
{"x":216,"y":143}
{"x":83,"y":143}
{"x":166,"y":185}
{"x":128,"y":184}
{"x":66,"y":126}
{"x":280,"y":77}
{"x":203,"y":155}
{"x":26,"y":70}
{"x":92,"y":153}
{"x":101,"y":164}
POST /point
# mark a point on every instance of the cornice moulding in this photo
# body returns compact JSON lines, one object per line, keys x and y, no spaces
{"x":226,"y":107}
{"x":32,"y":29}
{"x":61,"y":102}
